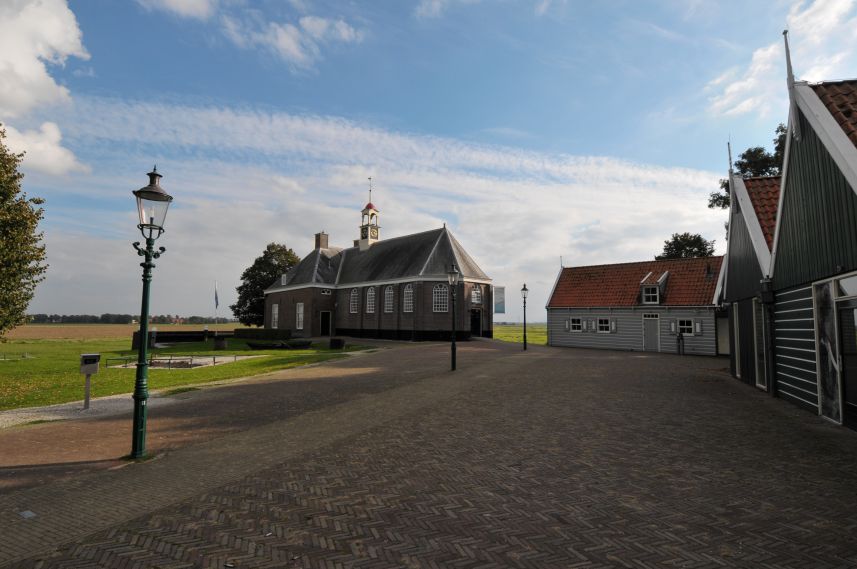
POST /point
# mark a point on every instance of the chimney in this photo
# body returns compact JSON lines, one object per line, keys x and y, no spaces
{"x":321,"y":240}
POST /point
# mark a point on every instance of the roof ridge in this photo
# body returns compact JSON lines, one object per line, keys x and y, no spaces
{"x":642,"y":262}
{"x":394,"y":238}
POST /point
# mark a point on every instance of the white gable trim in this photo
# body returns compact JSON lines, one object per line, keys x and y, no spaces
{"x":783,"y":184}
{"x":721,"y":278}
{"x":556,"y":282}
{"x":840,"y":147}
{"x":754,"y":228}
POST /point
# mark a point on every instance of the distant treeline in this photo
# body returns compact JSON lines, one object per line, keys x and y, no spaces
{"x":123,"y":319}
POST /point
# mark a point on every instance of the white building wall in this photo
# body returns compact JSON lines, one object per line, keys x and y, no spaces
{"x":627,"y":328}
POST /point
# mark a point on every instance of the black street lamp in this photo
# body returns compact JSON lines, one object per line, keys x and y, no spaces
{"x":453,"y":276}
{"x":152,"y":204}
{"x":524,"y":292}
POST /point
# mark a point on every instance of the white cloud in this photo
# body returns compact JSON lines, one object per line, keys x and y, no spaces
{"x":823,"y":47}
{"x":283,"y":177}
{"x":198,"y":9}
{"x":428,"y":9}
{"x":299,"y":43}
{"x":44,"y":151}
{"x":32,"y":35}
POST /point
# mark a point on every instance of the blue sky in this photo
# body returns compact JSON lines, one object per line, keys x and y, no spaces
{"x":537,"y":129}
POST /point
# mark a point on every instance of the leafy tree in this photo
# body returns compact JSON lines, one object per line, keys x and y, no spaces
{"x":250,"y":307}
{"x":686,"y":246}
{"x":22,"y":253}
{"x":755,"y":161}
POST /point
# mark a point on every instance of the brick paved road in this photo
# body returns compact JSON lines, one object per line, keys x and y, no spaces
{"x":553,"y":458}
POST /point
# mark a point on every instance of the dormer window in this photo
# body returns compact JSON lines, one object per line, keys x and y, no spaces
{"x":651,"y":295}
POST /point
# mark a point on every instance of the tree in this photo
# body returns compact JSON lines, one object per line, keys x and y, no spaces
{"x":755,"y":161}
{"x":250,"y":307}
{"x":22,"y":253}
{"x":686,"y":246}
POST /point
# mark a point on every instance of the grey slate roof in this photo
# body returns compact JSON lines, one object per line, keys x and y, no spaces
{"x":425,"y":254}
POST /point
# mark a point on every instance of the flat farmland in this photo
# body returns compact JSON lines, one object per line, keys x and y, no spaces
{"x":97,"y":331}
{"x":536,"y":333}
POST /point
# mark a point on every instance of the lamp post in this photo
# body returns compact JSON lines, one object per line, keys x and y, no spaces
{"x":524,"y":292}
{"x":453,"y":276}
{"x":152,"y":204}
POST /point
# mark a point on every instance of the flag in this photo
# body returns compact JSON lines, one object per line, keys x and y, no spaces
{"x":216,"y":301}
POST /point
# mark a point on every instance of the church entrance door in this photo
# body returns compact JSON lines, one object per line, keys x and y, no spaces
{"x":325,"y":323}
{"x":476,"y":322}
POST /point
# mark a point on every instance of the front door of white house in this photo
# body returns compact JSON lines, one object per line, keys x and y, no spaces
{"x":651,"y":333}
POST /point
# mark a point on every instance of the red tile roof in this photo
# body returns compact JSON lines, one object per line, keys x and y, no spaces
{"x":840,"y":98}
{"x":765,"y":196}
{"x":691,"y":282}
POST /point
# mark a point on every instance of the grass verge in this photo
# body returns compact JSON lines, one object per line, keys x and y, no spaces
{"x":537,"y":334}
{"x":51,"y":375}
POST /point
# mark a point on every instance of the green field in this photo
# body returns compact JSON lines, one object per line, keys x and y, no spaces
{"x":50,"y":372}
{"x":536,"y":333}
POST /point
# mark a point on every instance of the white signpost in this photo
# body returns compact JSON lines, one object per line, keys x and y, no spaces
{"x":88,"y":366}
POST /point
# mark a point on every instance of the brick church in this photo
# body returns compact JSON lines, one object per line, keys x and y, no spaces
{"x":395,"y":288}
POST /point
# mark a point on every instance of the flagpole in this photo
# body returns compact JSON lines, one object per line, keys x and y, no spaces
{"x":216,"y":303}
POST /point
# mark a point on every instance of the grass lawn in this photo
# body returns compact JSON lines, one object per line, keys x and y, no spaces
{"x":51,"y":372}
{"x":536,"y":333}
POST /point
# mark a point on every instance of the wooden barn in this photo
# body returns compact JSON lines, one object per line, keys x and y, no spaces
{"x":656,"y":306}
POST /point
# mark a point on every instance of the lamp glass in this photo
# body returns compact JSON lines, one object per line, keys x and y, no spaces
{"x":453,"y":275}
{"x":524,"y":292}
{"x":152,"y":208}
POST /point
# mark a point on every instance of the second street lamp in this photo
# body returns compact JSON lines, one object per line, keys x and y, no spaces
{"x":524,"y":292}
{"x":453,"y":276}
{"x":152,"y":205}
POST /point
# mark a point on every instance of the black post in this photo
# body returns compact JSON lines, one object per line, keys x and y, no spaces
{"x":453,"y":326}
{"x":525,"y":322}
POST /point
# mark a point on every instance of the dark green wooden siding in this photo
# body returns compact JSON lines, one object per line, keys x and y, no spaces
{"x":743,"y":273}
{"x":818,"y":227}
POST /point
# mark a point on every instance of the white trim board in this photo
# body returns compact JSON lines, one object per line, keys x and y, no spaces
{"x":751,"y":221}
{"x":345,"y":286}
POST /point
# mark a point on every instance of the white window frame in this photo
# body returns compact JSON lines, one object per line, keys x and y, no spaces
{"x":647,"y":294}
{"x":325,"y":292}
{"x":354,"y":303}
{"x":476,"y":295}
{"x":571,"y":325}
{"x":388,"y":299}
{"x":682,"y":328}
{"x":370,"y":300}
{"x":299,"y":316}
{"x":440,"y":298}
{"x":605,"y":322}
{"x":275,"y":316}
{"x":408,"y":298}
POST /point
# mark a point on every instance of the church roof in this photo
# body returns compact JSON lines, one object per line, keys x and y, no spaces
{"x":426,"y":254}
{"x":370,"y":205}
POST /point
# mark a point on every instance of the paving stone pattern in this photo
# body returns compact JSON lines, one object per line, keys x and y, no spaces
{"x":553,"y":458}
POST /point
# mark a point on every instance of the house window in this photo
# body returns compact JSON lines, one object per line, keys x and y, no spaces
{"x":370,"y":301}
{"x":299,"y":316}
{"x":388,"y":299}
{"x":685,"y":327}
{"x":650,"y":295}
{"x":440,"y":298}
{"x":283,"y":280}
{"x":275,"y":315}
{"x":476,"y":295}
{"x":576,"y":325}
{"x":408,"y":299}
{"x":603,"y":325}
{"x":355,"y":301}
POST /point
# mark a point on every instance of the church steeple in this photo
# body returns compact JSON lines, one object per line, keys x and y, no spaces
{"x":370,"y":231}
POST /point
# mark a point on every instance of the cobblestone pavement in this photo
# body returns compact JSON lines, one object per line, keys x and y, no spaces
{"x":550,"y":458}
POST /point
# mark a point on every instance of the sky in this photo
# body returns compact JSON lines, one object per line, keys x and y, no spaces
{"x":540,"y":131}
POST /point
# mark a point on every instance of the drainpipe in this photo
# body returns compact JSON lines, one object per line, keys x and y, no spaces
{"x":766,"y":297}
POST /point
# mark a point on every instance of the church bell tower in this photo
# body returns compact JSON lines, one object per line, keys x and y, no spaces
{"x":370,"y":231}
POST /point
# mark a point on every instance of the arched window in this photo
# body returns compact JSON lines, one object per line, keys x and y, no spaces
{"x":476,"y":295}
{"x":370,"y":300}
{"x":388,"y":299}
{"x":355,"y":301}
{"x":408,"y":299}
{"x":440,"y":298}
